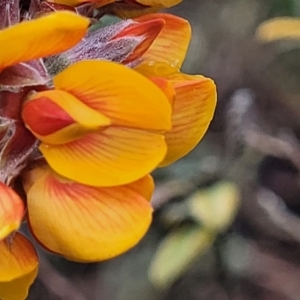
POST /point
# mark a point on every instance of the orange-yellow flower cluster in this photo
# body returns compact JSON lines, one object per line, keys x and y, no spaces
{"x":101,"y":124}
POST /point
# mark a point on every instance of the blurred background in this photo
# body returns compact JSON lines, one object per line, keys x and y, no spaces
{"x":227,"y":220}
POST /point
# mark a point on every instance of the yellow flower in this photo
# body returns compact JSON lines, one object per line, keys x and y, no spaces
{"x":195,"y":96}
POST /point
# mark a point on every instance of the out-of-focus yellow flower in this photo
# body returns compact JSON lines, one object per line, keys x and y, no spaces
{"x":280,"y":28}
{"x":195,"y":96}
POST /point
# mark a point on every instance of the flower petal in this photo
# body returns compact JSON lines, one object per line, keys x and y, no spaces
{"x":11,"y":211}
{"x":123,"y":95}
{"x":57,"y":117}
{"x":112,"y":156}
{"x":49,"y":35}
{"x":18,"y":270}
{"x":193,"y":110}
{"x":85,"y":223}
{"x":168,"y":51}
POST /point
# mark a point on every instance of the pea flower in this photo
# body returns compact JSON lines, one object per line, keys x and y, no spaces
{"x":85,"y":116}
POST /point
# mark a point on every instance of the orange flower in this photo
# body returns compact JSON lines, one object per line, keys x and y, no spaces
{"x":100,"y":130}
{"x":195,"y":96}
{"x":101,"y":135}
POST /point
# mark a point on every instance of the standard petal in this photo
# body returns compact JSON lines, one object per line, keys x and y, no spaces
{"x":123,"y":95}
{"x":86,"y":223}
{"x":11,"y":211}
{"x":169,"y":49}
{"x":110,"y":157}
{"x":19,"y":263}
{"x":49,"y":35}
{"x":193,"y":110}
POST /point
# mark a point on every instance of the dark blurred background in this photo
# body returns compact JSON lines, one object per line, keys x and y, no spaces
{"x":227,"y":222}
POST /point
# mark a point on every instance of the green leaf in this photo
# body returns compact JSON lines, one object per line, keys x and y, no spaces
{"x":215,"y":207}
{"x":176,"y":252}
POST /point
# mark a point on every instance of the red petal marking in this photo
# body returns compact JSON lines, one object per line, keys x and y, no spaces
{"x":46,"y":117}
